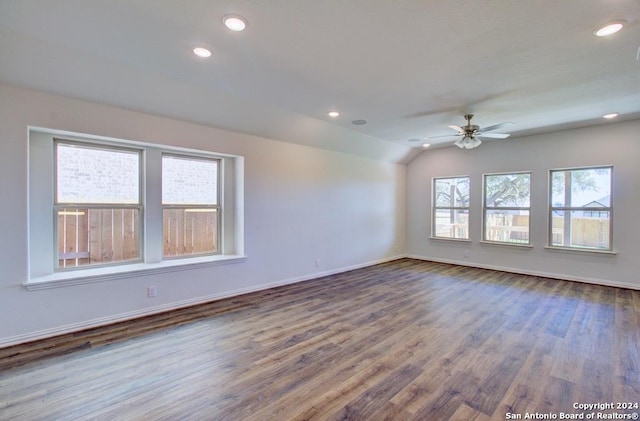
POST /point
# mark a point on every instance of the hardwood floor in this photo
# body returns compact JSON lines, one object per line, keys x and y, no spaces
{"x":405,"y":340}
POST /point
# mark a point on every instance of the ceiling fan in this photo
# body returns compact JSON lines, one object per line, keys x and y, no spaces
{"x":471,"y":134}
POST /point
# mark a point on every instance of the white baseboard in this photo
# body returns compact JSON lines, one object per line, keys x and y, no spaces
{"x":563,"y":277}
{"x":102,"y":321}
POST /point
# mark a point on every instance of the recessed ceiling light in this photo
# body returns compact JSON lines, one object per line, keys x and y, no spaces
{"x":426,"y":145}
{"x":609,"y":28}
{"x":333,"y":114}
{"x":235,"y":22}
{"x":359,"y":122}
{"x":610,"y":115}
{"x":202,"y":52}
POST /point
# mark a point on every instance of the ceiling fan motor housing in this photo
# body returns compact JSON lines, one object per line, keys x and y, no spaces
{"x":470,"y":129}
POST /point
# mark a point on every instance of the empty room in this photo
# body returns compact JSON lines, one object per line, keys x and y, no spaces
{"x":319,"y":210}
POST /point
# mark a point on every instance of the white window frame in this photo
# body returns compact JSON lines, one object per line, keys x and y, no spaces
{"x":58,"y":206}
{"x":486,"y":208}
{"x":42,"y":248}
{"x":553,"y":209}
{"x":434,"y":208}
{"x":217,"y":207}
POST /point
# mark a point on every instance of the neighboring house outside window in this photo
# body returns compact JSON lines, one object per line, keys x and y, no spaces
{"x":603,"y":202}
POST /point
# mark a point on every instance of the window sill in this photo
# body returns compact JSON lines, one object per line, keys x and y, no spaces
{"x":516,"y":245}
{"x":581,"y":250}
{"x":87,"y":276}
{"x":459,"y":240}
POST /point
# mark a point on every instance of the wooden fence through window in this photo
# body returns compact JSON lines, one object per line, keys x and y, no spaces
{"x":101,"y":236}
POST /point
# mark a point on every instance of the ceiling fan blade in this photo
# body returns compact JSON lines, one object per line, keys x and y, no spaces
{"x":495,"y":127}
{"x":445,"y":135}
{"x":494,"y":135}
{"x":458,"y":129}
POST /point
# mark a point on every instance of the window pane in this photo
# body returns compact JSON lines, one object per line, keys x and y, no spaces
{"x":97,"y":236}
{"x":581,"y":229}
{"x":451,"y":223}
{"x":189,"y":181}
{"x":190,"y":231}
{"x":507,"y":226}
{"x":581,"y":188}
{"x":452,"y":192}
{"x":507,"y":190}
{"x":97,"y":175}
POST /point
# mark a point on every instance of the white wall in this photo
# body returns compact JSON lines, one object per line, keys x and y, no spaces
{"x":615,"y":144}
{"x":301,"y":204}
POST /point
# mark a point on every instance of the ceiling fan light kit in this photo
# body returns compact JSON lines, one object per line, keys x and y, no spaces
{"x":468,"y":142}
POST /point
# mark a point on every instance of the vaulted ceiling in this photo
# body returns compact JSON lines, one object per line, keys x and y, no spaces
{"x":408,"y":68}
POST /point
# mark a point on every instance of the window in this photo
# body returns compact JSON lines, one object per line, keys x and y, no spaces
{"x":580,"y":208}
{"x":97,"y":204}
{"x":507,"y":208}
{"x":111,"y":209}
{"x":451,"y":208}
{"x":190,"y":205}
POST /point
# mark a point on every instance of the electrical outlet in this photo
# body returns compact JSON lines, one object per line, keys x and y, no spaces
{"x":466,"y":254}
{"x":152,"y":291}
{"x":317,"y":262}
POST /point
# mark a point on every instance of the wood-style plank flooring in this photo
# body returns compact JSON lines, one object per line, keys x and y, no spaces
{"x":405,"y":340}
